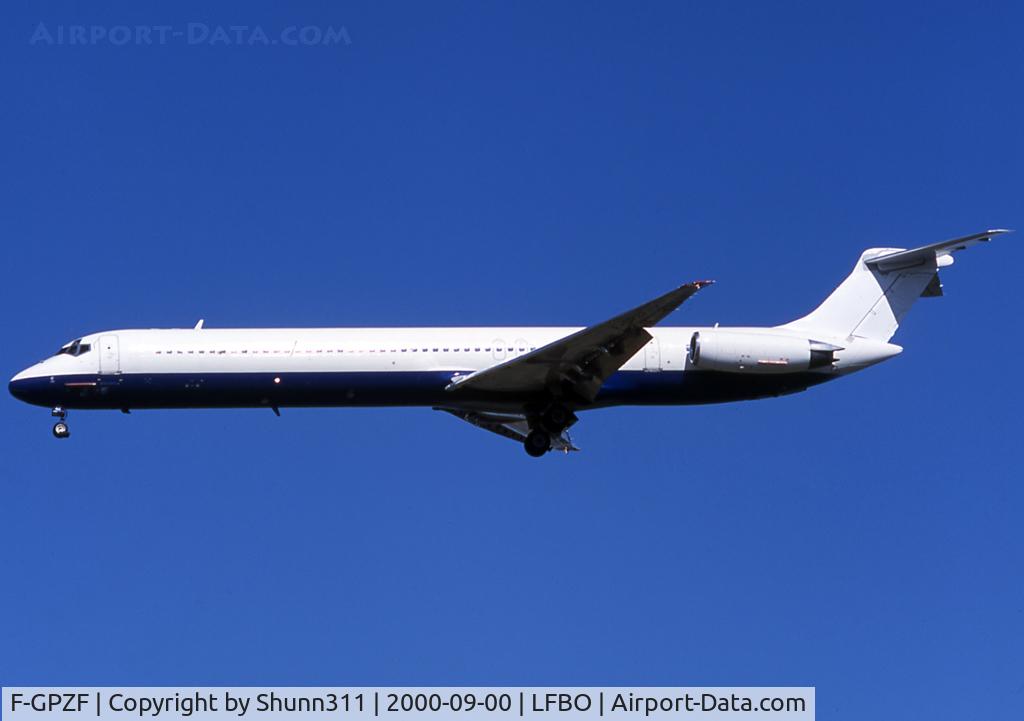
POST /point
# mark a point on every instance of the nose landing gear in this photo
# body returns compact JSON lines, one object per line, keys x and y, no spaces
{"x":60,"y":428}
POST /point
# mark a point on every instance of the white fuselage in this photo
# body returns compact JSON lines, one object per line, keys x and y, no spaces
{"x":380,"y":366}
{"x":523,"y":383}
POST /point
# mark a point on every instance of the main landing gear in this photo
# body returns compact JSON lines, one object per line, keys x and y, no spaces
{"x":546,"y":427}
{"x":60,"y":428}
{"x":537,"y":443}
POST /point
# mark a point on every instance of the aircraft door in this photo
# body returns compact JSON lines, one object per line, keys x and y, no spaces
{"x":499,"y":349}
{"x":652,"y":356}
{"x":110,"y":356}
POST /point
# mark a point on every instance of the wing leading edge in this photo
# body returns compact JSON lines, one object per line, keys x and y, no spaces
{"x":578,"y":364}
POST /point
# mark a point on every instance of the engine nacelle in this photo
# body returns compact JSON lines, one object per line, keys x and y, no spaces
{"x":738,"y":352}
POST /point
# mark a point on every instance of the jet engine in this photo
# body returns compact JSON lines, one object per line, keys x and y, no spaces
{"x":739,"y":352}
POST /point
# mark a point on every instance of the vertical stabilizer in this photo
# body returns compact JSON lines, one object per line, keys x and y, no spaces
{"x":873,"y":299}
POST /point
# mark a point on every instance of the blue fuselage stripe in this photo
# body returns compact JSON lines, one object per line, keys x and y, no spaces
{"x":382,"y":388}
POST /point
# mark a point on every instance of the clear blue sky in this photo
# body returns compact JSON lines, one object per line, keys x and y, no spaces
{"x":520,"y":163}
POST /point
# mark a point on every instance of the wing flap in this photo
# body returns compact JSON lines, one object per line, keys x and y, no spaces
{"x":508,"y":425}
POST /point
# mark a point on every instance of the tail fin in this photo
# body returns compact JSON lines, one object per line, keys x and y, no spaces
{"x":873,"y":299}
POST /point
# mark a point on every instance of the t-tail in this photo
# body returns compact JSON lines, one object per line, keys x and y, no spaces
{"x":873,"y":299}
{"x":867,"y":308}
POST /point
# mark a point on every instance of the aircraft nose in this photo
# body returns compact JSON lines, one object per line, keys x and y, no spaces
{"x":17,"y":385}
{"x":24,"y":386}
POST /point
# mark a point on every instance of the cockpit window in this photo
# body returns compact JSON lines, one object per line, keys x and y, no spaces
{"x":75,"y":348}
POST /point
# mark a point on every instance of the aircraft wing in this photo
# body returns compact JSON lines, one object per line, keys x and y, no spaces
{"x":581,"y":362}
{"x":509,"y":425}
{"x":928,"y":253}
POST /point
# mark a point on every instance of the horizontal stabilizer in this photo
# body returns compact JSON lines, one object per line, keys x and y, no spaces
{"x":929,"y":253}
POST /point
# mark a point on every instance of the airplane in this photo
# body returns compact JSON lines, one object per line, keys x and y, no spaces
{"x":523,"y":383}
